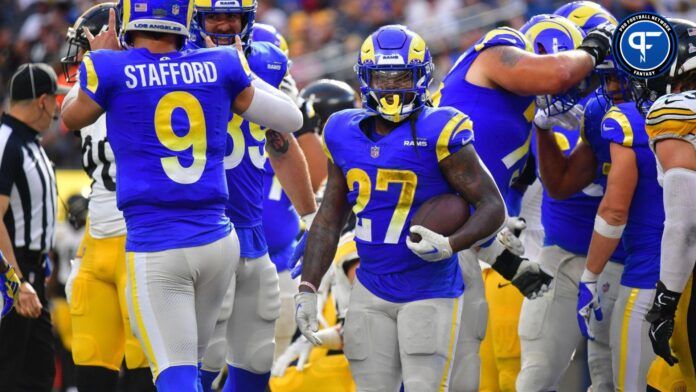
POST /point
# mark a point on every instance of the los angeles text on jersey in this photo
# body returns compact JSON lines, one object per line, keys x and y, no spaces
{"x":167,"y":74}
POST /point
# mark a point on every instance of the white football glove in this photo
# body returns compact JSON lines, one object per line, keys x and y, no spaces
{"x":306,"y":316}
{"x":301,"y":348}
{"x":432,"y":246}
{"x":516,"y":224}
{"x":511,"y":241}
{"x":74,"y":268}
{"x":551,"y":116}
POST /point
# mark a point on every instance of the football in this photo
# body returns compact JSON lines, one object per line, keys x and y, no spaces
{"x":443,"y":214}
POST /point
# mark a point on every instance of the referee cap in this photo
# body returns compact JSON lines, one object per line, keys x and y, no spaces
{"x":31,"y":80}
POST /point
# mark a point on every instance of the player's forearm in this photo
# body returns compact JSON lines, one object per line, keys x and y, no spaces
{"x":7,"y":250}
{"x":486,"y":221}
{"x":601,"y":249}
{"x":292,"y":172}
{"x":321,"y":246}
{"x":316,"y":159}
{"x":571,"y":68}
{"x":326,"y":229}
{"x":552,"y":165}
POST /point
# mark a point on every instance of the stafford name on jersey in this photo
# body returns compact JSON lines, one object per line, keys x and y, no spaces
{"x":168,"y":74}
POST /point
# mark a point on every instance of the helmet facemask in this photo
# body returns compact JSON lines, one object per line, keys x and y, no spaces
{"x":394,"y":92}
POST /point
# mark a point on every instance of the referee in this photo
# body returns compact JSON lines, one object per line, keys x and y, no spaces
{"x":28,"y":208}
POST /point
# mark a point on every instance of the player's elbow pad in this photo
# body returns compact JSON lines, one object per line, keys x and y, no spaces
{"x":273,"y":109}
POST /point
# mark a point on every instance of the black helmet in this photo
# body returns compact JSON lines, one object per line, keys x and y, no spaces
{"x":95,"y":20}
{"x":647,"y":91}
{"x":323,"y":98}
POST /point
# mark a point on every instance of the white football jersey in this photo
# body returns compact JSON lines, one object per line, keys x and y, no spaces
{"x":105,"y":219}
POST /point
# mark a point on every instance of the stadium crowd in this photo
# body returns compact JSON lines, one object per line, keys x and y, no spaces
{"x":323,"y":36}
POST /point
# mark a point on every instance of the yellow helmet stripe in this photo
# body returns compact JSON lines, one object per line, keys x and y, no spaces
{"x":560,"y":25}
{"x":367,"y":51}
{"x":582,"y":14}
{"x":126,"y":14}
{"x":189,"y":15}
{"x":416,"y":51}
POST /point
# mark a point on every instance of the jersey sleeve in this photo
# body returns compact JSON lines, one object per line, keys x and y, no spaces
{"x":327,"y":137}
{"x":237,"y":72}
{"x":504,"y":36}
{"x":268,"y":63}
{"x":457,"y":132}
{"x":10,"y":166}
{"x":93,"y":76}
{"x":672,"y":115}
{"x":617,"y":128}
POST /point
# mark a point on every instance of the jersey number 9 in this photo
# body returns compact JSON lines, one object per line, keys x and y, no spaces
{"x":195,"y":138}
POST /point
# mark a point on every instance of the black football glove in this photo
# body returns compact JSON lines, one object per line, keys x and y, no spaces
{"x":526,"y":275}
{"x":661,"y":318}
{"x":598,"y":42}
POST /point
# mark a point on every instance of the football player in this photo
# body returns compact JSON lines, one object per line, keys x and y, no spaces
{"x":99,"y":315}
{"x":182,"y":250}
{"x":252,"y":304}
{"x":385,"y":161}
{"x":671,"y":124}
{"x":504,"y":75}
{"x":629,"y":211}
{"x":546,"y":328}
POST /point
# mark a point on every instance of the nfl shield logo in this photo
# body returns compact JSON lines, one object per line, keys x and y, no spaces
{"x":175,"y":9}
{"x":374,"y":151}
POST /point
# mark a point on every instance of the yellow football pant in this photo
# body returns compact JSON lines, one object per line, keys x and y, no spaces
{"x":101,"y":329}
{"x":500,"y":349}
{"x":679,"y":377}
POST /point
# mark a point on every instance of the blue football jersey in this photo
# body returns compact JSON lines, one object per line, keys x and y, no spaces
{"x":245,"y":157}
{"x":624,"y":125}
{"x":388,"y":180}
{"x":591,"y":133}
{"x":281,"y":224}
{"x":503,"y":120}
{"x":166,"y":118}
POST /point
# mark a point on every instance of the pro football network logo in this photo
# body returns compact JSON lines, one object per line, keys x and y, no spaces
{"x":644,"y":45}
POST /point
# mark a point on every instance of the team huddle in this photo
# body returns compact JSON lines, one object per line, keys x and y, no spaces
{"x":238,"y":225}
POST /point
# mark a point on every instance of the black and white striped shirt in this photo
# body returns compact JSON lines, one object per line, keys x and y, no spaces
{"x":28,"y":178}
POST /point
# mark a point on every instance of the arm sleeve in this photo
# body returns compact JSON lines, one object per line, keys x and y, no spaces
{"x":10,"y":167}
{"x":327,"y":141}
{"x":616,"y":128}
{"x":457,"y":133}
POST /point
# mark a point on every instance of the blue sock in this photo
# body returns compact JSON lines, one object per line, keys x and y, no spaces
{"x":207,"y":379}
{"x":240,"y":380}
{"x":178,"y":378}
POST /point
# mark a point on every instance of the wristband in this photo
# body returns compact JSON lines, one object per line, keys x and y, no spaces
{"x":308,"y":284}
{"x":606,"y":230}
{"x":589,"y":276}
